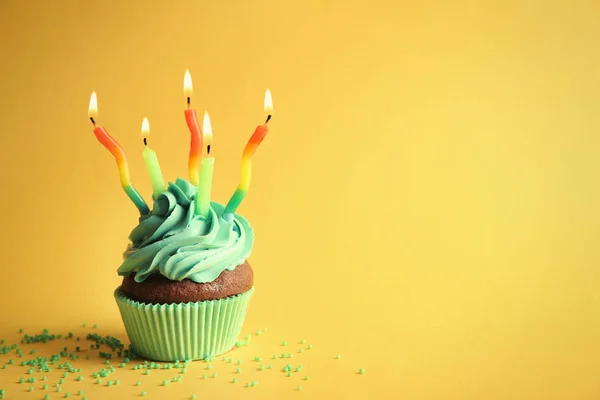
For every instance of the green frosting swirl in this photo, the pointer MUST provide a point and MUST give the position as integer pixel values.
(179, 244)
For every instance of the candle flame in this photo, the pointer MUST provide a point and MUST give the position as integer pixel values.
(206, 129)
(93, 108)
(188, 88)
(268, 102)
(145, 128)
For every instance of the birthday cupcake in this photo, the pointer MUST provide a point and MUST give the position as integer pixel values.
(187, 283)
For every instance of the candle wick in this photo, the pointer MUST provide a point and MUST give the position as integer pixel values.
(189, 100)
(268, 119)
(93, 122)
(145, 142)
(208, 149)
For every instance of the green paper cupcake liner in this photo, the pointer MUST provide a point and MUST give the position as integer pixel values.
(171, 332)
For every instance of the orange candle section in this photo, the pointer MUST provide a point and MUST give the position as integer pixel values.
(196, 133)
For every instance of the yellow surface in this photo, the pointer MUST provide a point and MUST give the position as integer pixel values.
(426, 202)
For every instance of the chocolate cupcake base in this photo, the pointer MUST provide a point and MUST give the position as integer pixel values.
(157, 289)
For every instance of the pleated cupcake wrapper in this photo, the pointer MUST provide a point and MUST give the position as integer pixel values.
(171, 332)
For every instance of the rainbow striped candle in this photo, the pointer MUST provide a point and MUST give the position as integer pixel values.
(196, 134)
(257, 137)
(113, 146)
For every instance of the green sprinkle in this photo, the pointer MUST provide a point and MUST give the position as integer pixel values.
(203, 376)
(238, 370)
(98, 381)
(147, 372)
(45, 387)
(337, 356)
(229, 360)
(302, 341)
(95, 326)
(361, 371)
(32, 351)
(310, 346)
(109, 383)
(214, 375)
(126, 360)
(234, 380)
(262, 367)
(239, 362)
(80, 392)
(299, 388)
(165, 382)
(289, 373)
(269, 366)
(47, 397)
(138, 383)
(183, 370)
(59, 389)
(193, 396)
(306, 378)
(61, 381)
(21, 330)
(67, 395)
(144, 394)
(298, 369)
(284, 343)
(274, 356)
(84, 398)
(301, 351)
(209, 366)
(283, 355)
(80, 378)
(5, 366)
(248, 384)
(255, 384)
(117, 382)
(21, 380)
(31, 388)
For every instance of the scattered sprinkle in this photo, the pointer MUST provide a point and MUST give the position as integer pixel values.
(255, 384)
(274, 356)
(262, 367)
(80, 392)
(238, 370)
(138, 383)
(239, 362)
(165, 382)
(289, 373)
(306, 378)
(234, 380)
(144, 394)
(45, 387)
(299, 388)
(31, 388)
(209, 366)
(95, 326)
(203, 376)
(310, 346)
(259, 332)
(284, 343)
(248, 384)
(337, 356)
(361, 371)
(301, 351)
(214, 375)
(67, 395)
(269, 366)
(302, 341)
(193, 396)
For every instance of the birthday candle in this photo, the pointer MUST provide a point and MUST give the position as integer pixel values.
(196, 134)
(113, 146)
(152, 165)
(246, 171)
(206, 172)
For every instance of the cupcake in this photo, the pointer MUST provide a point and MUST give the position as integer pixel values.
(186, 281)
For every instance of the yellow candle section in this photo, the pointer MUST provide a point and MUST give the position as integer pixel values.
(206, 171)
(152, 165)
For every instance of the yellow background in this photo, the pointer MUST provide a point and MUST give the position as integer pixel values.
(425, 204)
